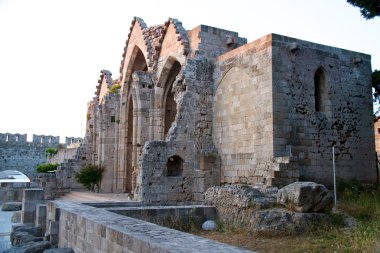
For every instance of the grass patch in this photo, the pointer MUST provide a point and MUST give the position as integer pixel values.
(362, 203)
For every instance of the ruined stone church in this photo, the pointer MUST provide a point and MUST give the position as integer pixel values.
(196, 108)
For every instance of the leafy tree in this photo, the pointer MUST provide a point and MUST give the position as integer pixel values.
(368, 8)
(90, 176)
(376, 87)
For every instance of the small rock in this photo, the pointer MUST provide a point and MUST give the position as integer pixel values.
(63, 250)
(305, 197)
(16, 217)
(11, 206)
(209, 225)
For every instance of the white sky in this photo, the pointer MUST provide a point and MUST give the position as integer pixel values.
(52, 51)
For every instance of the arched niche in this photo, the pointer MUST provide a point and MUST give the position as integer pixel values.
(320, 90)
(169, 103)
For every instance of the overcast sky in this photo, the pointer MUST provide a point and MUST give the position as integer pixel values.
(52, 51)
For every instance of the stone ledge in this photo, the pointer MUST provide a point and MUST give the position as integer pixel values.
(125, 234)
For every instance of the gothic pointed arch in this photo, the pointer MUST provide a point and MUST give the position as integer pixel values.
(174, 40)
(136, 38)
(169, 73)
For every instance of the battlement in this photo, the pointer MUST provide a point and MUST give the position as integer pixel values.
(20, 139)
(45, 139)
(72, 140)
(13, 138)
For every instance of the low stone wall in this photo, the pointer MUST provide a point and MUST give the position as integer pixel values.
(88, 229)
(182, 218)
(12, 191)
(47, 181)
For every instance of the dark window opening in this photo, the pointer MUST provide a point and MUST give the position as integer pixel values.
(174, 166)
(378, 130)
(113, 119)
(320, 90)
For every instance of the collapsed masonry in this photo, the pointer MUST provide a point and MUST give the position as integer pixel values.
(193, 109)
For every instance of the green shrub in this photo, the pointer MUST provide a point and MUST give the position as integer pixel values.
(49, 152)
(114, 88)
(46, 168)
(90, 176)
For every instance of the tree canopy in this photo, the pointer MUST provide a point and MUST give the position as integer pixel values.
(368, 8)
(376, 87)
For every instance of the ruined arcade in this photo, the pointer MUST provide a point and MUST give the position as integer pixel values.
(198, 108)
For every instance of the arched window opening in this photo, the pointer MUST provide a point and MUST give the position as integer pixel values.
(174, 166)
(170, 104)
(320, 90)
(139, 62)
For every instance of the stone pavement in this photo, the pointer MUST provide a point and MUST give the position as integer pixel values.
(5, 229)
(78, 196)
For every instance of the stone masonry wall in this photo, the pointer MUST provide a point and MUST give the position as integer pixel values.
(18, 154)
(307, 124)
(189, 138)
(79, 227)
(242, 117)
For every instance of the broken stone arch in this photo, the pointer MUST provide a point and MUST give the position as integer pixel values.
(167, 103)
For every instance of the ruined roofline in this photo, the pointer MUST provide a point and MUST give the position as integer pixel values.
(216, 30)
(318, 46)
(153, 37)
(104, 74)
(293, 44)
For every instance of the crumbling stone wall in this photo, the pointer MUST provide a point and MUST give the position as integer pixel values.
(201, 107)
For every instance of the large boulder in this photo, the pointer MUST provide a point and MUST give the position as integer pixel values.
(19, 231)
(280, 221)
(305, 197)
(240, 196)
(11, 206)
(30, 247)
(235, 203)
(19, 238)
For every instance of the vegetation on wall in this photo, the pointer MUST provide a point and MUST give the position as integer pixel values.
(50, 152)
(90, 176)
(46, 168)
(114, 88)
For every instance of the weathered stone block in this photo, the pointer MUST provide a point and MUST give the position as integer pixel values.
(30, 199)
(305, 197)
(11, 206)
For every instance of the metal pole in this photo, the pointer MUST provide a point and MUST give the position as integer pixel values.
(333, 152)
